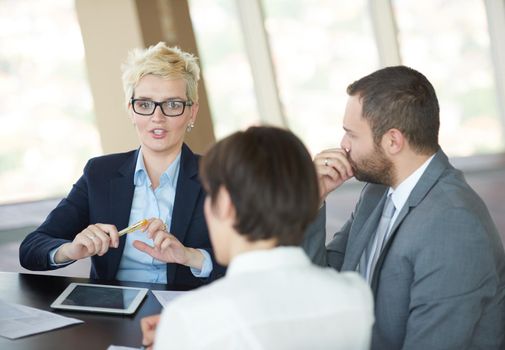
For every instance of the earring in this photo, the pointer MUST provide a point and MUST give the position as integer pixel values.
(190, 127)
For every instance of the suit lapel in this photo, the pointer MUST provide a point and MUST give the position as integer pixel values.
(186, 196)
(361, 235)
(423, 186)
(429, 178)
(120, 203)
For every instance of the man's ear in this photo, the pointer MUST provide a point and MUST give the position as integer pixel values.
(393, 141)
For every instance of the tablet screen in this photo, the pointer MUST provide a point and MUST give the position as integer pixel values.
(100, 298)
(111, 298)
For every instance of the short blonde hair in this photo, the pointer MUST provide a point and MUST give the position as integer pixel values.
(163, 61)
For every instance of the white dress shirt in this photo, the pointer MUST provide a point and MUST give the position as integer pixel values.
(272, 299)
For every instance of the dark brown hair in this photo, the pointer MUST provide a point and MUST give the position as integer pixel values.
(271, 180)
(402, 98)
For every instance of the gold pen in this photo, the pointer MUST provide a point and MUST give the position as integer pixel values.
(133, 227)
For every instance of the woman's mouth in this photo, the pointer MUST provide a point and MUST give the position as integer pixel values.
(159, 133)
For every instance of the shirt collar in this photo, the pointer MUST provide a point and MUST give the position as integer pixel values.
(402, 192)
(268, 259)
(140, 177)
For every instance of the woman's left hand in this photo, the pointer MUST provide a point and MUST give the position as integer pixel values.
(167, 247)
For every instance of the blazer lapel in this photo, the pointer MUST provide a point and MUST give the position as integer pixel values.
(186, 196)
(361, 235)
(120, 203)
(429, 178)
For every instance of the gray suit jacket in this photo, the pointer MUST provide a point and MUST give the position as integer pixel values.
(440, 280)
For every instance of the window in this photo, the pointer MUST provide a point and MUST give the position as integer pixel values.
(319, 48)
(224, 65)
(448, 41)
(48, 129)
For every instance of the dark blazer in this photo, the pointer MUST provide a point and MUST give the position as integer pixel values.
(104, 194)
(440, 280)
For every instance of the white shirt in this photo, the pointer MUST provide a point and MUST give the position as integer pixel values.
(272, 299)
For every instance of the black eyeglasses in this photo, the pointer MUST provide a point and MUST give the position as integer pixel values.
(168, 108)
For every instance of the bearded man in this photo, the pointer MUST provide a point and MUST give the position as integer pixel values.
(419, 235)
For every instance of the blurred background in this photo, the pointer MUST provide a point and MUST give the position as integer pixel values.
(281, 62)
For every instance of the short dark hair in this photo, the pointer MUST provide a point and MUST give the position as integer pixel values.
(402, 98)
(271, 180)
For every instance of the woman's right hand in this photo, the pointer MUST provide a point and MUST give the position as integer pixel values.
(93, 240)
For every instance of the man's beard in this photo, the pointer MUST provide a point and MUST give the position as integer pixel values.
(375, 168)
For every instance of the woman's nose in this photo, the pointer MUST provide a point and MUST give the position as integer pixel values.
(158, 114)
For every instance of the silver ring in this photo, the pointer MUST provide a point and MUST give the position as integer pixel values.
(326, 162)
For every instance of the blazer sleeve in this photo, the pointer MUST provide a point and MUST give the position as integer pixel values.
(333, 253)
(64, 222)
(314, 243)
(455, 280)
(315, 239)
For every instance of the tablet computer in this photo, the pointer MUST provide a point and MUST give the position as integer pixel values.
(100, 298)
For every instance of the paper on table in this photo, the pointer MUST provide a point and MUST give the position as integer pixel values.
(18, 321)
(166, 296)
(118, 347)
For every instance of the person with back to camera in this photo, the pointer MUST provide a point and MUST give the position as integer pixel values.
(262, 192)
(420, 236)
(159, 181)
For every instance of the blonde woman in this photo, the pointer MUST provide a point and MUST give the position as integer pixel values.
(158, 181)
